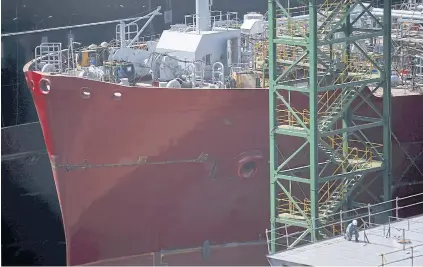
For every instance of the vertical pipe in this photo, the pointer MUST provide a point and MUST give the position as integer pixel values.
(150, 8)
(238, 50)
(72, 54)
(272, 119)
(202, 11)
(70, 41)
(412, 256)
(369, 213)
(268, 241)
(403, 239)
(396, 208)
(122, 33)
(346, 116)
(254, 50)
(287, 236)
(314, 132)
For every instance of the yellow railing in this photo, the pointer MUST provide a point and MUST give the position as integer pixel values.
(291, 28)
(286, 117)
(328, 188)
(329, 7)
(260, 50)
(351, 67)
(289, 52)
(362, 149)
(327, 99)
(297, 27)
(356, 64)
(285, 205)
(354, 160)
(330, 98)
(357, 155)
(336, 229)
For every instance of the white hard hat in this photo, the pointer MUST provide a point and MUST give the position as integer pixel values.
(92, 46)
(355, 222)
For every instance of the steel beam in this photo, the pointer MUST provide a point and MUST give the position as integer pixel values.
(272, 120)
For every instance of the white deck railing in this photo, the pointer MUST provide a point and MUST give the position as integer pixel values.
(366, 216)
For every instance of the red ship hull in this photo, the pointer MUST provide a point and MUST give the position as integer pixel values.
(162, 169)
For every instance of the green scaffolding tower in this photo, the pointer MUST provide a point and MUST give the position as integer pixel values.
(328, 141)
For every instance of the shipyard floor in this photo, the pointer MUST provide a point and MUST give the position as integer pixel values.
(340, 252)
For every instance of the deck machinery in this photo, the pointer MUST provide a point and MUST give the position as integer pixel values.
(325, 57)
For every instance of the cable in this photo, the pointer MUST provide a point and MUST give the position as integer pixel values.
(17, 67)
(80, 25)
(20, 125)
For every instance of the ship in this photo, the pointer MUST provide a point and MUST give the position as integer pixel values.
(160, 148)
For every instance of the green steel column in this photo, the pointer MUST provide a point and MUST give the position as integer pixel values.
(387, 152)
(314, 131)
(316, 139)
(272, 120)
(346, 117)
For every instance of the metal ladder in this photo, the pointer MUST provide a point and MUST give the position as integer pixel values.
(344, 189)
(334, 110)
(333, 203)
(197, 73)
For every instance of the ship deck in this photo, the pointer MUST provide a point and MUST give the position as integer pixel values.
(340, 252)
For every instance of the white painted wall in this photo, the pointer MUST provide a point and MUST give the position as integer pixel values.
(191, 46)
(215, 44)
(178, 44)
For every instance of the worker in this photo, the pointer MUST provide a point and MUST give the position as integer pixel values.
(351, 230)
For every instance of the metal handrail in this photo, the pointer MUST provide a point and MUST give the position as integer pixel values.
(411, 257)
(369, 215)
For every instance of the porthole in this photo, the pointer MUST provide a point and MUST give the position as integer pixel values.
(247, 169)
(45, 86)
(85, 93)
(117, 96)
